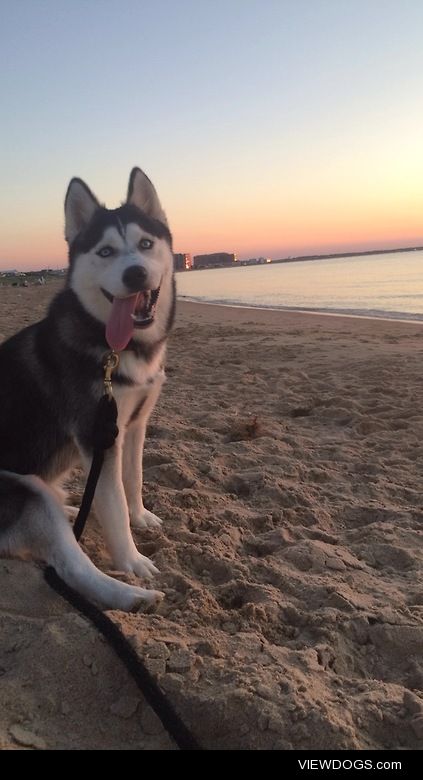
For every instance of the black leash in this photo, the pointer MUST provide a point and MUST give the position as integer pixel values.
(105, 431)
(104, 434)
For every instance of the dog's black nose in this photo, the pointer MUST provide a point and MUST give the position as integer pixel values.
(134, 278)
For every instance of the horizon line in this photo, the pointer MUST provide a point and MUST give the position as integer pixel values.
(288, 258)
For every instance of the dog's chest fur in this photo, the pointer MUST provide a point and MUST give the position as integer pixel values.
(142, 378)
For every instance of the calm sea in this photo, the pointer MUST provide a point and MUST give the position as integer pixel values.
(389, 285)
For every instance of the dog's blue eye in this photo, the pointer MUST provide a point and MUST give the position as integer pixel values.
(146, 243)
(105, 251)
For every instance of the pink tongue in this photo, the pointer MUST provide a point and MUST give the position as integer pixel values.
(120, 325)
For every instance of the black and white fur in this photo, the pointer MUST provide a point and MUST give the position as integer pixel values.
(51, 381)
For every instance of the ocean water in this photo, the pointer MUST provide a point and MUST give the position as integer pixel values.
(383, 285)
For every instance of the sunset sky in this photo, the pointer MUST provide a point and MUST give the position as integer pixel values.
(269, 127)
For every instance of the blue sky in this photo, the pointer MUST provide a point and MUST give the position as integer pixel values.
(268, 127)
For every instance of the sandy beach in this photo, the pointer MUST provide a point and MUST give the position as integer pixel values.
(285, 459)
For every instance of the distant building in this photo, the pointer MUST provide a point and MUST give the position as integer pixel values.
(215, 260)
(182, 261)
(256, 261)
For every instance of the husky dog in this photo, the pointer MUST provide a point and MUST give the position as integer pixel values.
(119, 293)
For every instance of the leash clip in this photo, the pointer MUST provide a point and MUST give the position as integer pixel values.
(110, 363)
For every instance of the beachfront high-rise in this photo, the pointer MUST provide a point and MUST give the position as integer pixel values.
(182, 261)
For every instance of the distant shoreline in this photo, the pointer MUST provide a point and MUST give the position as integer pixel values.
(302, 258)
(305, 258)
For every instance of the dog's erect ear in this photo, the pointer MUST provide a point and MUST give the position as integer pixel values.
(141, 193)
(80, 205)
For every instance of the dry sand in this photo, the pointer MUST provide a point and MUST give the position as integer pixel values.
(285, 458)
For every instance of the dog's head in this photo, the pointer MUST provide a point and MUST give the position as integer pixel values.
(121, 261)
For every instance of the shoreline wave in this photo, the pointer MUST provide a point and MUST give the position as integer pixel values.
(368, 314)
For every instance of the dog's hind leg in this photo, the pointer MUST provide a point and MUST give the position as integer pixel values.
(33, 522)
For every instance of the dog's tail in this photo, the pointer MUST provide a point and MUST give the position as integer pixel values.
(32, 522)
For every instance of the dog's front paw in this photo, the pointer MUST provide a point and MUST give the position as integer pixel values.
(145, 519)
(139, 565)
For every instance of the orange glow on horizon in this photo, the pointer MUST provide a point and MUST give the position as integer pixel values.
(301, 221)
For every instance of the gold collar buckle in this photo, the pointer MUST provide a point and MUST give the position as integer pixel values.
(110, 364)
